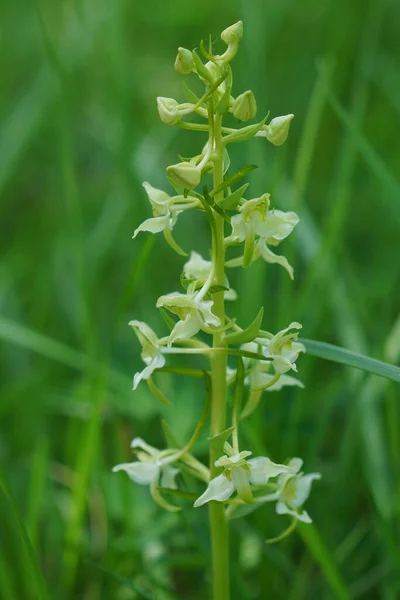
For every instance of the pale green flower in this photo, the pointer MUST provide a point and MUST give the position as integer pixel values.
(277, 130)
(284, 348)
(168, 110)
(259, 227)
(198, 269)
(258, 373)
(184, 61)
(185, 175)
(151, 466)
(293, 490)
(164, 219)
(151, 351)
(233, 34)
(244, 106)
(239, 474)
(194, 314)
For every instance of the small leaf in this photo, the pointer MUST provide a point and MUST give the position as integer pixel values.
(215, 206)
(231, 202)
(233, 178)
(218, 288)
(248, 334)
(190, 96)
(245, 133)
(200, 68)
(167, 318)
(157, 392)
(205, 53)
(223, 104)
(217, 442)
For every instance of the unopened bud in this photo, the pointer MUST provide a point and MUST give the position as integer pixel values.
(277, 131)
(168, 110)
(185, 175)
(184, 61)
(233, 34)
(245, 107)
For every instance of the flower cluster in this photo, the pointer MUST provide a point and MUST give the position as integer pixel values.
(264, 360)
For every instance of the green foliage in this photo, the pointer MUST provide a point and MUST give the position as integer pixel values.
(72, 159)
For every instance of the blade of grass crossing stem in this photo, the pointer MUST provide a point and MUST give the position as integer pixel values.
(35, 583)
(352, 359)
(323, 557)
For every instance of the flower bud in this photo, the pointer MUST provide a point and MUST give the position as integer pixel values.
(233, 34)
(184, 61)
(168, 110)
(245, 107)
(185, 175)
(277, 131)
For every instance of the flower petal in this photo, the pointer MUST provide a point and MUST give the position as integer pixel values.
(153, 225)
(283, 509)
(155, 363)
(270, 257)
(138, 442)
(185, 329)
(140, 472)
(262, 468)
(158, 199)
(304, 488)
(168, 476)
(219, 488)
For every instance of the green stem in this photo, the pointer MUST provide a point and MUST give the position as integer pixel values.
(218, 522)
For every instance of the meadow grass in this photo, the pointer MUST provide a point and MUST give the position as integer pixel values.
(79, 132)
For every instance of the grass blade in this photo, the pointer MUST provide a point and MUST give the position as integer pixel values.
(323, 557)
(352, 359)
(33, 575)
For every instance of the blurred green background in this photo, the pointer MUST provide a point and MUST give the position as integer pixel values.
(79, 132)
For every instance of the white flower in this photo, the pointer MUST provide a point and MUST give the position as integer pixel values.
(185, 175)
(168, 110)
(258, 375)
(283, 348)
(238, 475)
(164, 219)
(244, 107)
(151, 467)
(151, 351)
(270, 227)
(193, 314)
(293, 490)
(277, 131)
(198, 269)
(184, 61)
